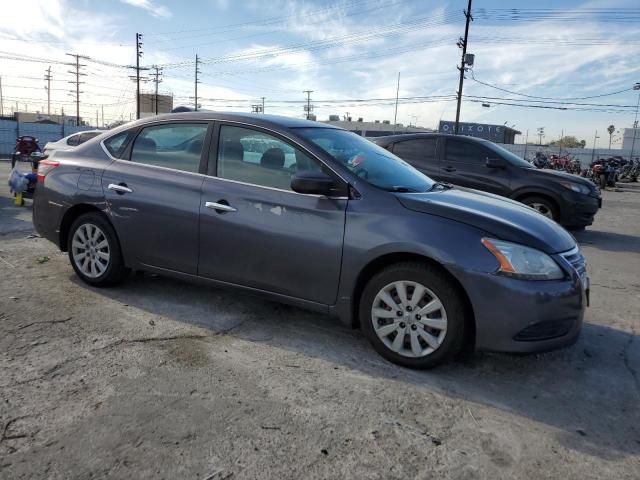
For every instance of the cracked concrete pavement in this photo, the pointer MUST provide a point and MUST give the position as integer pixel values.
(162, 379)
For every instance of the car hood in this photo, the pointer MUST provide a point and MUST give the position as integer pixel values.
(505, 219)
(559, 175)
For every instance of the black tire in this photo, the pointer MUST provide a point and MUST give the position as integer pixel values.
(542, 202)
(115, 271)
(446, 291)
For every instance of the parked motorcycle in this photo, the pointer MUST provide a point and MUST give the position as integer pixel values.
(26, 145)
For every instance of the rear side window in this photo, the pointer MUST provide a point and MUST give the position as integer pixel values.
(73, 140)
(87, 136)
(177, 146)
(418, 152)
(117, 144)
(465, 152)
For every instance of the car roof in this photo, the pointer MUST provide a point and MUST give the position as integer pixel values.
(414, 136)
(253, 118)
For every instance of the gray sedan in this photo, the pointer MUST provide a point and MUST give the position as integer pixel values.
(317, 217)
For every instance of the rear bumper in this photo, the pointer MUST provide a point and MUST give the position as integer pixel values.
(521, 316)
(579, 210)
(47, 216)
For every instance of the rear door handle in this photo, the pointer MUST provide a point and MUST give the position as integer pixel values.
(449, 169)
(220, 206)
(119, 188)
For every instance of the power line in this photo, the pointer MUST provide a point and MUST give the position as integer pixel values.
(548, 98)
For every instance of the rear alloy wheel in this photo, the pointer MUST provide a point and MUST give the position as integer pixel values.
(543, 206)
(94, 251)
(412, 315)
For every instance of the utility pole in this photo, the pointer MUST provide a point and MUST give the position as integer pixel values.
(526, 141)
(156, 80)
(635, 122)
(308, 106)
(77, 81)
(593, 152)
(462, 43)
(262, 104)
(102, 107)
(138, 56)
(97, 124)
(560, 143)
(540, 134)
(395, 114)
(197, 81)
(48, 78)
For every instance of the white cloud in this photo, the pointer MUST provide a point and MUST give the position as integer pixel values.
(159, 11)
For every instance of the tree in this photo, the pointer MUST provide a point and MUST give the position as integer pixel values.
(610, 129)
(569, 142)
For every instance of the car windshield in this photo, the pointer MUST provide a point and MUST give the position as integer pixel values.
(510, 157)
(367, 160)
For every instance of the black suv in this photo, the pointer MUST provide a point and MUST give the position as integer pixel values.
(469, 162)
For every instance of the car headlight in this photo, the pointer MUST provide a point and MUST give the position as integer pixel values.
(576, 187)
(523, 262)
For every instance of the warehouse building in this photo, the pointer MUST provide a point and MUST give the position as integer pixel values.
(376, 128)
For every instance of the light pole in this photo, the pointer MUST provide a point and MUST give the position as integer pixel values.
(593, 152)
(635, 122)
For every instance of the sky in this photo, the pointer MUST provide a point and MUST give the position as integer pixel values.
(348, 52)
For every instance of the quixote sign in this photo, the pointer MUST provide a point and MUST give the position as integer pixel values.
(495, 133)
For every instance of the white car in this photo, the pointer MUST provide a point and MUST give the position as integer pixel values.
(71, 141)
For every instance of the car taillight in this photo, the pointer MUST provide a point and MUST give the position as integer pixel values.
(44, 167)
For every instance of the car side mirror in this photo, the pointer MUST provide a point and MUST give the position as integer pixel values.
(309, 182)
(493, 162)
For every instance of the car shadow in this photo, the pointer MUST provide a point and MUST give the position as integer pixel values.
(14, 219)
(589, 392)
(609, 241)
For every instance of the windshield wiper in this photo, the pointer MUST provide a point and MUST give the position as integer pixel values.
(441, 186)
(401, 189)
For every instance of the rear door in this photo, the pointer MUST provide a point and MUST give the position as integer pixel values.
(154, 195)
(255, 231)
(465, 164)
(422, 153)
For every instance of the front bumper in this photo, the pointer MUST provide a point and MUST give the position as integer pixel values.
(579, 209)
(521, 316)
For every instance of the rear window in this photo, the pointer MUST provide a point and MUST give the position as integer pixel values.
(87, 136)
(73, 140)
(117, 144)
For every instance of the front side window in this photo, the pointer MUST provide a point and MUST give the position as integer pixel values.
(420, 152)
(367, 160)
(254, 157)
(174, 145)
(466, 152)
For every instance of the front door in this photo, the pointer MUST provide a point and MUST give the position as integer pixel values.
(465, 164)
(255, 231)
(154, 197)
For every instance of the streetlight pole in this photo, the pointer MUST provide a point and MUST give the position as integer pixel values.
(593, 152)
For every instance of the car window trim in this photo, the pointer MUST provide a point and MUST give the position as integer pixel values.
(215, 142)
(207, 139)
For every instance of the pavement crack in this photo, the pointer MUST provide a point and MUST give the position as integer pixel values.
(43, 322)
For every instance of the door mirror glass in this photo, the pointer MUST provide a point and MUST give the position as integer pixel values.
(312, 182)
(494, 162)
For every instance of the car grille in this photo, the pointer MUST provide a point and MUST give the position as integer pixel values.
(545, 330)
(577, 261)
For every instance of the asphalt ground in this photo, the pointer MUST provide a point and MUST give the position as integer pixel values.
(161, 379)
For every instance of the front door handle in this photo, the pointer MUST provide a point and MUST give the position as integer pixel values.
(449, 169)
(220, 206)
(119, 188)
